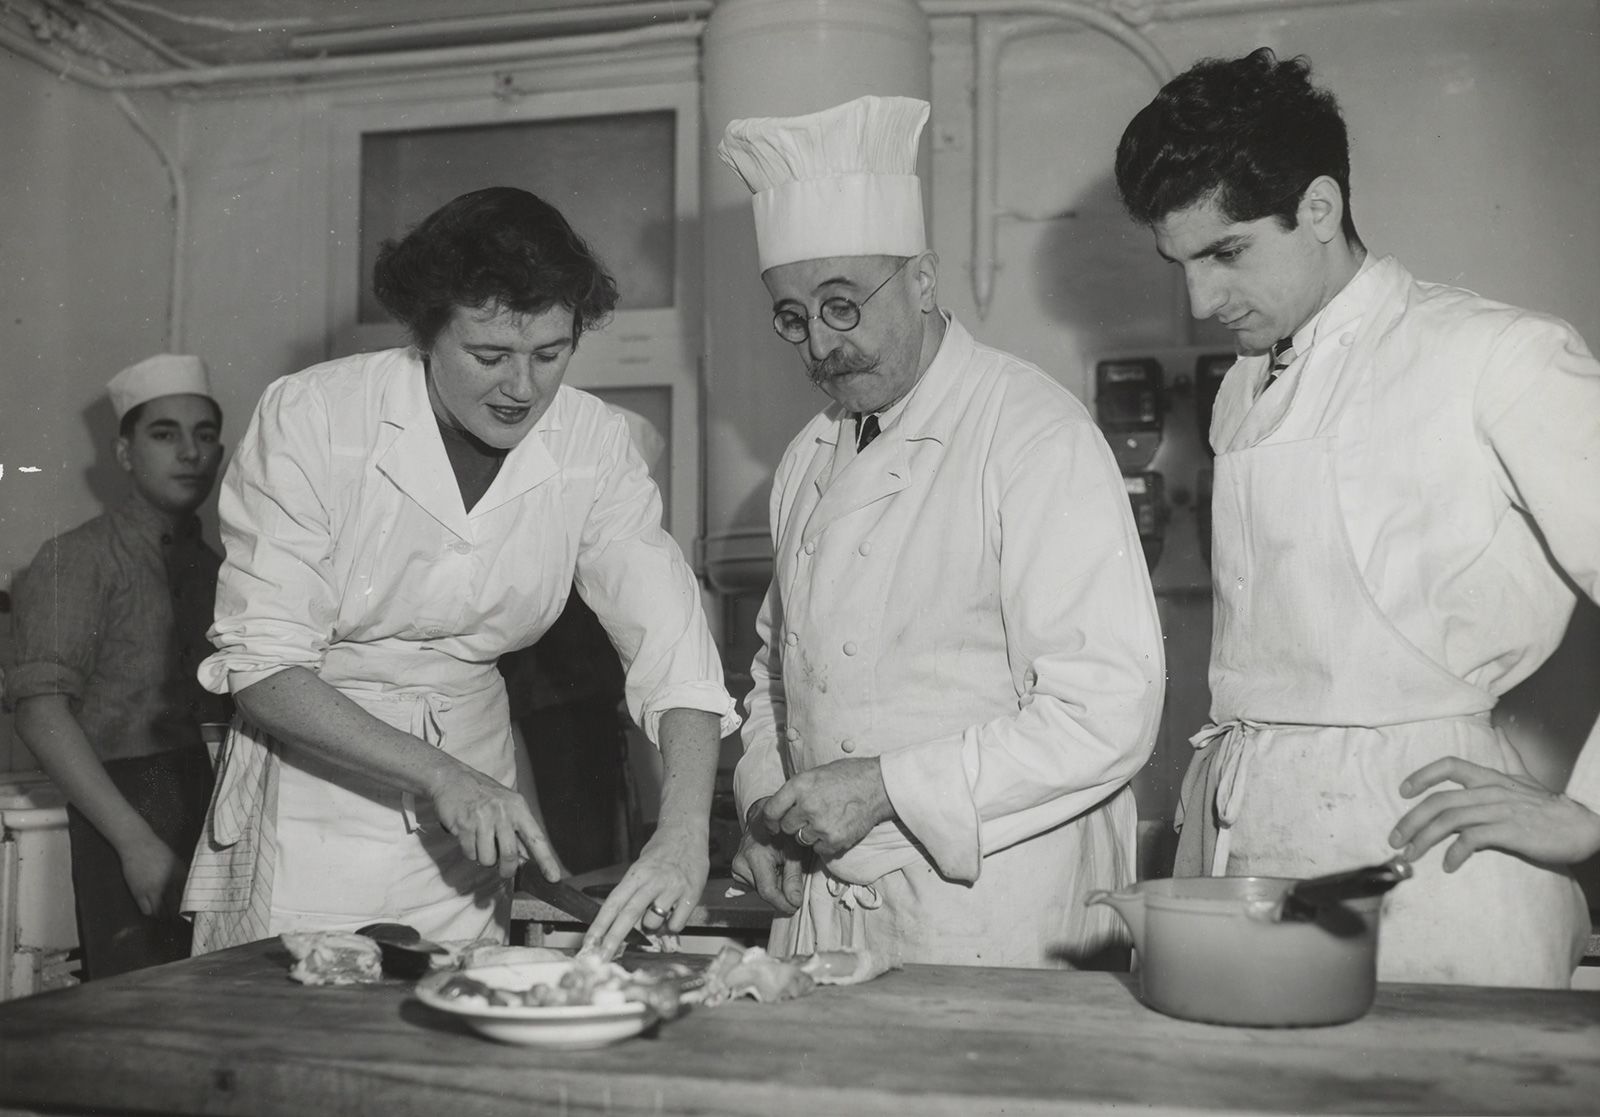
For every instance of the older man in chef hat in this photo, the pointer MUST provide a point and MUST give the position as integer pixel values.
(110, 622)
(960, 665)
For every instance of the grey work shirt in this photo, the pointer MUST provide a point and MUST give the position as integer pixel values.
(113, 614)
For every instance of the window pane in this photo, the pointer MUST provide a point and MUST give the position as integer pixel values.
(612, 176)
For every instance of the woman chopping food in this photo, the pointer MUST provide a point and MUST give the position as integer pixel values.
(394, 522)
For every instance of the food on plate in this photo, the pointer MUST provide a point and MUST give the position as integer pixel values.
(587, 981)
(485, 952)
(756, 974)
(333, 957)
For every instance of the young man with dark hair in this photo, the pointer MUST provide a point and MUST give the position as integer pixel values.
(1405, 480)
(110, 624)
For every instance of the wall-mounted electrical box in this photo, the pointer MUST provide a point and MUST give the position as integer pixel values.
(1155, 409)
(1149, 511)
(1128, 406)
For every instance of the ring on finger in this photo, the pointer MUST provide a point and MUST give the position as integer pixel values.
(655, 910)
(800, 835)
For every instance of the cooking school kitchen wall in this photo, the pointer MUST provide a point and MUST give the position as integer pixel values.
(1476, 151)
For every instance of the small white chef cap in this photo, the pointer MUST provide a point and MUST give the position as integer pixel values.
(840, 182)
(165, 374)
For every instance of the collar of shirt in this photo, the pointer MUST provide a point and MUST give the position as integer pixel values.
(153, 524)
(919, 408)
(1341, 310)
(888, 415)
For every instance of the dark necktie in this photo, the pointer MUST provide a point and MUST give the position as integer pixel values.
(866, 431)
(1282, 353)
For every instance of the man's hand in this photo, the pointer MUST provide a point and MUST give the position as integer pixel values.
(770, 862)
(832, 807)
(492, 822)
(1509, 811)
(154, 875)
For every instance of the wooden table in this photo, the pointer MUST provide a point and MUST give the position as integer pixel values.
(230, 1034)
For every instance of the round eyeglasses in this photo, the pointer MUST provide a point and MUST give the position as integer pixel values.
(837, 313)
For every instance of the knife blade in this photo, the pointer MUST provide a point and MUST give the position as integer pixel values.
(568, 897)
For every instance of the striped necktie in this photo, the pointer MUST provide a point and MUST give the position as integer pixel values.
(866, 431)
(1282, 354)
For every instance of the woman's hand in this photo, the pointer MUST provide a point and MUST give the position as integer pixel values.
(658, 892)
(1509, 811)
(492, 822)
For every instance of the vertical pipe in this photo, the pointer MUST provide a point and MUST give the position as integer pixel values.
(989, 40)
(180, 219)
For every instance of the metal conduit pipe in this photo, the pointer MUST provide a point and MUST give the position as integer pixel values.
(180, 219)
(1076, 10)
(1141, 12)
(990, 36)
(518, 23)
(139, 35)
(398, 61)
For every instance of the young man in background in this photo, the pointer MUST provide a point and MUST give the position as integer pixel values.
(110, 623)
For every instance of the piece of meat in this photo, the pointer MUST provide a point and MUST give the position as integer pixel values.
(333, 957)
(843, 967)
(754, 973)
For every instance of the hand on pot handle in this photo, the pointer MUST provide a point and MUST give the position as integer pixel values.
(1509, 811)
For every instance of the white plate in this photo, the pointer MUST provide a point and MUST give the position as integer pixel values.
(568, 1026)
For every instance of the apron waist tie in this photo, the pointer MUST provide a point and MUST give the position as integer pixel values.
(425, 727)
(1216, 780)
(1224, 762)
(850, 903)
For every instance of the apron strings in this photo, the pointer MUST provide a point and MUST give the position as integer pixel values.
(425, 727)
(1215, 784)
(1224, 762)
(850, 904)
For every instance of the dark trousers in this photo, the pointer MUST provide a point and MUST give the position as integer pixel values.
(578, 752)
(170, 791)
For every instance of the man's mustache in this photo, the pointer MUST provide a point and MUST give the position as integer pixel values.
(839, 363)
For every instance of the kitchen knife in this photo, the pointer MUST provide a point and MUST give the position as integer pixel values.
(568, 897)
(1308, 897)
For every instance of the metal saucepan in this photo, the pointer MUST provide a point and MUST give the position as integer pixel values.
(1258, 951)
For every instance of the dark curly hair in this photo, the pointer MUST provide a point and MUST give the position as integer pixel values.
(1249, 134)
(494, 247)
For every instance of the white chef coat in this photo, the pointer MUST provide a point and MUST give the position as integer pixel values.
(1380, 582)
(349, 553)
(967, 599)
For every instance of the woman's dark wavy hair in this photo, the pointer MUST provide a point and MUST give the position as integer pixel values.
(499, 247)
(1248, 133)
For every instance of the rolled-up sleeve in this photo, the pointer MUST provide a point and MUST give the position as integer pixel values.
(1538, 409)
(276, 602)
(57, 609)
(634, 577)
(1078, 610)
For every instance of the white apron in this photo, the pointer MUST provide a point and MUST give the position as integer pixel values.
(1322, 707)
(279, 812)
